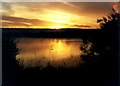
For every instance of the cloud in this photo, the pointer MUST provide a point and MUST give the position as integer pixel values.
(76, 25)
(10, 21)
(94, 7)
(83, 8)
(17, 21)
(40, 14)
(7, 8)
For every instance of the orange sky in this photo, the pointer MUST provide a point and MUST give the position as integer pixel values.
(53, 14)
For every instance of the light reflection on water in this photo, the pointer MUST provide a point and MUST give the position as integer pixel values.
(43, 52)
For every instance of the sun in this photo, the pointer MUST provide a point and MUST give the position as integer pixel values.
(57, 27)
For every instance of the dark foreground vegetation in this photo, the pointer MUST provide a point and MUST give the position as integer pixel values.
(97, 71)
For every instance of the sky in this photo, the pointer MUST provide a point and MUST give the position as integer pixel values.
(53, 14)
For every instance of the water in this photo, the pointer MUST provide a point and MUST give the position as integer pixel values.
(44, 52)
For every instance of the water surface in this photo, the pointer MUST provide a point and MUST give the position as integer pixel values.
(44, 52)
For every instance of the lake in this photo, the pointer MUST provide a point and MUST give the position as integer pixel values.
(55, 52)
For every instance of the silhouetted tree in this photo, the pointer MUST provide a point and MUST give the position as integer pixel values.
(111, 21)
(88, 52)
(9, 63)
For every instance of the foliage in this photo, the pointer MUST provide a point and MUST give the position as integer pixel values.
(111, 21)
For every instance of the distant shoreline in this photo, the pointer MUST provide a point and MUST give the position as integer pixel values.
(55, 33)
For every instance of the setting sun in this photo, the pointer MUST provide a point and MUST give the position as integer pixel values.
(57, 27)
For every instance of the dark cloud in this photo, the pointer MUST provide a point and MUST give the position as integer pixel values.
(81, 25)
(94, 7)
(14, 24)
(18, 21)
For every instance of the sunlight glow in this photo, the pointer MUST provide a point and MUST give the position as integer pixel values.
(57, 27)
(57, 16)
(60, 49)
(57, 52)
(46, 15)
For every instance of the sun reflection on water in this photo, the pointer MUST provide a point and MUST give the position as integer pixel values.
(54, 52)
(60, 49)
